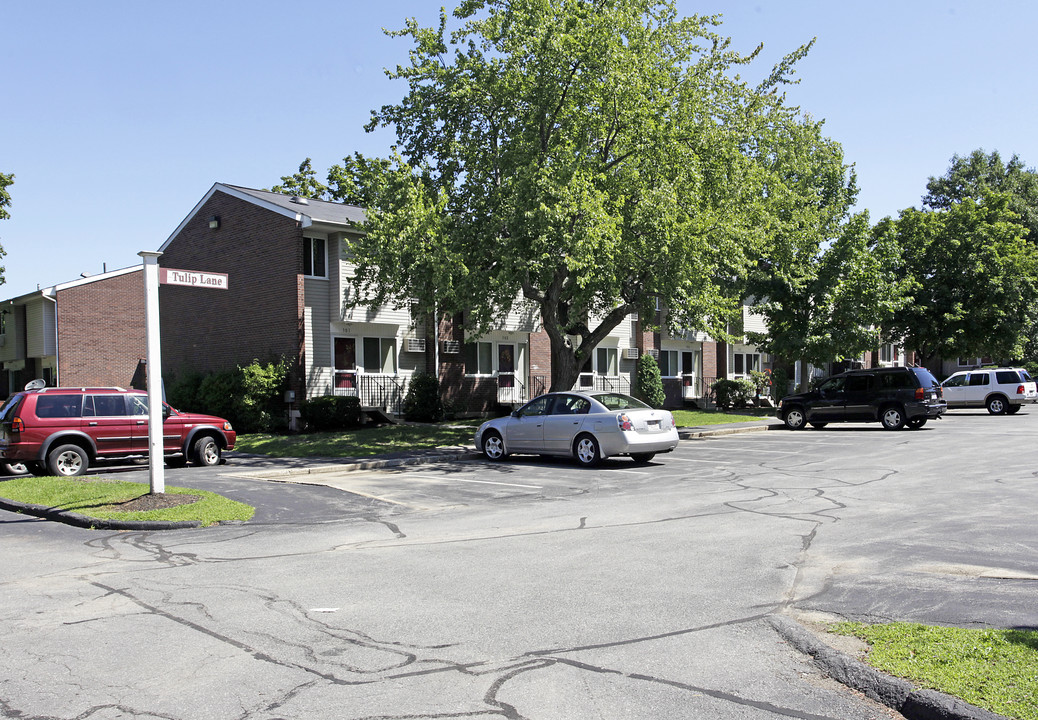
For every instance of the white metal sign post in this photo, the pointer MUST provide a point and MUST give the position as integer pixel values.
(153, 277)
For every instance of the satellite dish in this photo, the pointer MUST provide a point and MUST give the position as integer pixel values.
(36, 384)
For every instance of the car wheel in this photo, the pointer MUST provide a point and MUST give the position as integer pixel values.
(997, 405)
(893, 418)
(494, 447)
(67, 461)
(818, 426)
(586, 451)
(206, 451)
(916, 423)
(1013, 409)
(14, 468)
(642, 457)
(794, 418)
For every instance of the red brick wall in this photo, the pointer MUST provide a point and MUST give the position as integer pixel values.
(101, 335)
(540, 361)
(259, 316)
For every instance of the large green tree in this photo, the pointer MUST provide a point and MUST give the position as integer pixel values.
(594, 159)
(973, 175)
(822, 288)
(970, 279)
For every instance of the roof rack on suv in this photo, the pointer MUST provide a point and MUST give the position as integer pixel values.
(81, 389)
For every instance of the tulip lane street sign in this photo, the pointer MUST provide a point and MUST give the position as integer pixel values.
(191, 278)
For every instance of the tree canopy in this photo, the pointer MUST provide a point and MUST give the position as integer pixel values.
(972, 176)
(594, 159)
(970, 279)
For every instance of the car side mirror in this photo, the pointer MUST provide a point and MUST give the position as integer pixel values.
(515, 413)
(166, 412)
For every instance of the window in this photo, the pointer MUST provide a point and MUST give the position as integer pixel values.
(746, 363)
(978, 379)
(668, 363)
(479, 358)
(857, 383)
(59, 406)
(537, 407)
(104, 406)
(571, 405)
(606, 361)
(677, 362)
(315, 257)
(380, 355)
(886, 353)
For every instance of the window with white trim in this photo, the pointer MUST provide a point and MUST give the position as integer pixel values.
(379, 355)
(315, 257)
(607, 362)
(479, 358)
(745, 363)
(675, 363)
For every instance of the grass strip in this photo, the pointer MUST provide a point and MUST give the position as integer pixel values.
(99, 498)
(365, 442)
(993, 669)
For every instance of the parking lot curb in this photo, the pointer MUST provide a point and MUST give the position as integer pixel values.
(92, 523)
(904, 697)
(702, 432)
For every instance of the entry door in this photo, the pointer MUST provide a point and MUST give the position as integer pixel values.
(346, 365)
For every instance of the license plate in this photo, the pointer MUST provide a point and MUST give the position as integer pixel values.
(653, 424)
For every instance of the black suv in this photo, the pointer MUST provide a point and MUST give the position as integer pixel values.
(896, 397)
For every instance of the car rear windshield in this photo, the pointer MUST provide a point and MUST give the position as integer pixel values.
(617, 401)
(10, 407)
(926, 379)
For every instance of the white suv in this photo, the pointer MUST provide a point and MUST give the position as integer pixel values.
(1002, 391)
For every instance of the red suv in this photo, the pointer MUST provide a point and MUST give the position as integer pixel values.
(63, 430)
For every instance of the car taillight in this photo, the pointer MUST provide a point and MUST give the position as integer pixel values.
(1020, 390)
(920, 394)
(624, 422)
(17, 425)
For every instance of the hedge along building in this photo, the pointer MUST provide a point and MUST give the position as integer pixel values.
(288, 296)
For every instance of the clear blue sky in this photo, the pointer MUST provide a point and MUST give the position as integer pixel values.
(117, 116)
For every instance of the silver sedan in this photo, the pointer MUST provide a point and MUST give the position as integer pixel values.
(588, 426)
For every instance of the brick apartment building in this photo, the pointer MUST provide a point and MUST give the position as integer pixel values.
(87, 332)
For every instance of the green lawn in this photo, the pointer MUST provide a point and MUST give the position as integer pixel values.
(695, 418)
(992, 669)
(99, 498)
(365, 442)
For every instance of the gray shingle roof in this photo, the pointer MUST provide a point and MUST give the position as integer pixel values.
(320, 211)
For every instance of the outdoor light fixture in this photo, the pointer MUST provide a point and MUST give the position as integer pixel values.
(214, 222)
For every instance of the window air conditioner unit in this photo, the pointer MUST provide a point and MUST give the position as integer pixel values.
(654, 352)
(632, 353)
(415, 344)
(451, 347)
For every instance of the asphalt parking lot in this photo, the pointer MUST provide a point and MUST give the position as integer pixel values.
(530, 588)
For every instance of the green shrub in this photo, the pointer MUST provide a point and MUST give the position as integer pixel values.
(648, 386)
(330, 413)
(422, 402)
(250, 396)
(732, 393)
